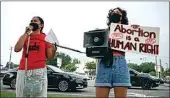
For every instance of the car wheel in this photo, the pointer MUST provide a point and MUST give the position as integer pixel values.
(63, 85)
(147, 85)
(13, 84)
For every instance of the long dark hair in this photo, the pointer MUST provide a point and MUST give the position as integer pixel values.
(42, 22)
(124, 16)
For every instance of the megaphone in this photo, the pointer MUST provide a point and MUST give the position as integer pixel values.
(96, 43)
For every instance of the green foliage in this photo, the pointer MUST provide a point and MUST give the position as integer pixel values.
(166, 73)
(76, 61)
(70, 67)
(153, 73)
(66, 59)
(52, 62)
(90, 65)
(10, 94)
(67, 63)
(147, 67)
(134, 66)
(16, 65)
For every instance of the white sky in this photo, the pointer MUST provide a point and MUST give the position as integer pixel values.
(69, 21)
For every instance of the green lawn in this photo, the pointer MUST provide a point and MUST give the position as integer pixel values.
(9, 94)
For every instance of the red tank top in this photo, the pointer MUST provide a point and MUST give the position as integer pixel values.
(37, 52)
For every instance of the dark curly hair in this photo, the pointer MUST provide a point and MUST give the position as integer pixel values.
(124, 16)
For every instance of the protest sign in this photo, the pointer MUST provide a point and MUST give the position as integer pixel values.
(129, 38)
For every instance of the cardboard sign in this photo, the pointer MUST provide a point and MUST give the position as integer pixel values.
(134, 39)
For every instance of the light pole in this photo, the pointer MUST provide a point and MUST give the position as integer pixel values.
(10, 58)
(167, 66)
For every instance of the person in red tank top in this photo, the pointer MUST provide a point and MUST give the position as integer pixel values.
(38, 52)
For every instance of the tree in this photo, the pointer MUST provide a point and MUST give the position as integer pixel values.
(166, 73)
(52, 62)
(91, 66)
(134, 66)
(16, 65)
(70, 67)
(67, 63)
(76, 61)
(66, 59)
(153, 73)
(147, 67)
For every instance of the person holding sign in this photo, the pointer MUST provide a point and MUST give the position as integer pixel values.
(32, 73)
(116, 75)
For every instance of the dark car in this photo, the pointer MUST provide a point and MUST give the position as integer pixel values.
(57, 78)
(3, 71)
(143, 80)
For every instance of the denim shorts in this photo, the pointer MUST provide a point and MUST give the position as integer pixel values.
(115, 75)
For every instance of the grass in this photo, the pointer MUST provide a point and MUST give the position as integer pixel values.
(10, 94)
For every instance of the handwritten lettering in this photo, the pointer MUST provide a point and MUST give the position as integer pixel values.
(147, 48)
(123, 45)
(136, 39)
(140, 31)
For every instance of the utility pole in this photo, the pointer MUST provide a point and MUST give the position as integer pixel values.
(10, 58)
(156, 65)
(160, 68)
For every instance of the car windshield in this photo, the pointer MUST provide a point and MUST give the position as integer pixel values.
(135, 71)
(55, 68)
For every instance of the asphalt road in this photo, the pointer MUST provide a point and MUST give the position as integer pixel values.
(161, 91)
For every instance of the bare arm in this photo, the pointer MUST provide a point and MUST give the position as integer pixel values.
(50, 52)
(20, 43)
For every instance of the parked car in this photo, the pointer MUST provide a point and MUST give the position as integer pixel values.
(83, 75)
(57, 78)
(160, 79)
(143, 80)
(3, 71)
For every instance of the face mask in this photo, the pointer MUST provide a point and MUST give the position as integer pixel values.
(115, 18)
(35, 26)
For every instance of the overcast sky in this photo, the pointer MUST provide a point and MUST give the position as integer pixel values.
(69, 21)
